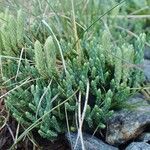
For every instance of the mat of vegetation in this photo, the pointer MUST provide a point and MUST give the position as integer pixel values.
(66, 66)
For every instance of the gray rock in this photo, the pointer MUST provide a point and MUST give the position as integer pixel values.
(138, 146)
(147, 53)
(145, 137)
(90, 143)
(127, 124)
(146, 68)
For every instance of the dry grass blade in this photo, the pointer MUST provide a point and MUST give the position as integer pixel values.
(37, 111)
(25, 82)
(60, 49)
(81, 117)
(131, 16)
(19, 63)
(131, 33)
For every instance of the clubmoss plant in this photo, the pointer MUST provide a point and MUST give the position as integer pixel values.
(110, 68)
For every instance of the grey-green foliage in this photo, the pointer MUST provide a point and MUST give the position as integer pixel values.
(11, 33)
(32, 105)
(110, 68)
(109, 87)
(47, 56)
(39, 55)
(20, 27)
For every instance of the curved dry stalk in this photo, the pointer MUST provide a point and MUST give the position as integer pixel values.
(81, 117)
(131, 16)
(19, 63)
(39, 104)
(131, 33)
(60, 49)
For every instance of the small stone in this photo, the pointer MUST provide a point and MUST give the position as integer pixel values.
(146, 69)
(147, 53)
(128, 124)
(145, 137)
(138, 146)
(90, 143)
